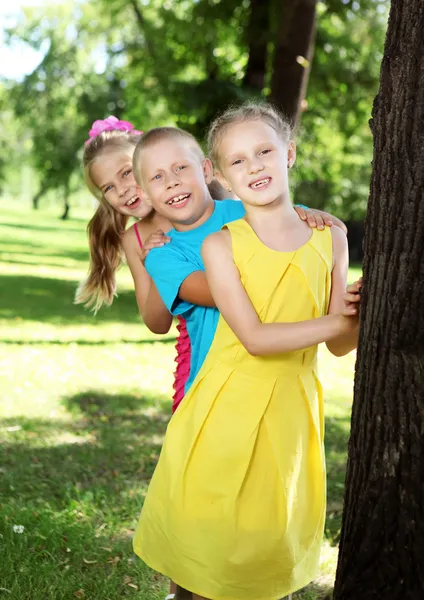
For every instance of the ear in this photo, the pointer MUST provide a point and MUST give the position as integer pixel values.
(291, 154)
(143, 195)
(220, 177)
(207, 170)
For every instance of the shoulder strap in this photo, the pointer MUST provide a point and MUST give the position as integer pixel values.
(137, 233)
(243, 241)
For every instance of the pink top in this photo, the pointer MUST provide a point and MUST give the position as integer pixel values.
(183, 349)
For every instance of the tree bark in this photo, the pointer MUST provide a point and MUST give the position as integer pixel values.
(293, 54)
(382, 540)
(257, 40)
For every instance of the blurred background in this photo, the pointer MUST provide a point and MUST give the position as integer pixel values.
(154, 62)
(84, 400)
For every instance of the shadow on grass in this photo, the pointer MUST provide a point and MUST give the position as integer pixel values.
(110, 447)
(77, 487)
(42, 250)
(45, 261)
(52, 301)
(61, 226)
(112, 443)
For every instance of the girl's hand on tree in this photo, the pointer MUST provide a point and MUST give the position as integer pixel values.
(313, 218)
(350, 312)
(155, 240)
(352, 297)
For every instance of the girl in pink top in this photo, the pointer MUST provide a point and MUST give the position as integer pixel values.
(108, 174)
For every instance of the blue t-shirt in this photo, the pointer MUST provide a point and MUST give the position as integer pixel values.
(171, 264)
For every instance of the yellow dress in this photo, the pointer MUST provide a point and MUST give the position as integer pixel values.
(235, 509)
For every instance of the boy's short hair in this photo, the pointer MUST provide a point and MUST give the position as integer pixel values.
(157, 135)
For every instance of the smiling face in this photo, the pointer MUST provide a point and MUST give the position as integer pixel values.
(112, 173)
(174, 179)
(253, 162)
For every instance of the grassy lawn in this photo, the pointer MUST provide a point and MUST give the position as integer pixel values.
(84, 403)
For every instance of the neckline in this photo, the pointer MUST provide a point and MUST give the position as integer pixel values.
(200, 227)
(261, 243)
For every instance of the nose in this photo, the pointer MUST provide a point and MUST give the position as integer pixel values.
(172, 181)
(122, 188)
(255, 165)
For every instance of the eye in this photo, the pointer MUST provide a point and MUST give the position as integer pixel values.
(266, 151)
(107, 189)
(180, 168)
(236, 162)
(126, 173)
(156, 177)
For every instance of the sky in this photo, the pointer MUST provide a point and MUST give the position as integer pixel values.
(17, 60)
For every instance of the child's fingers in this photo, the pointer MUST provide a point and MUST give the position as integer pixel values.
(311, 219)
(351, 297)
(155, 239)
(301, 212)
(152, 245)
(349, 310)
(354, 287)
(320, 223)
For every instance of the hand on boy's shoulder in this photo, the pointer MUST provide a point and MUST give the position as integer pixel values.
(157, 239)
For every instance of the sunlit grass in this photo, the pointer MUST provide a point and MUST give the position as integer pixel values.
(84, 403)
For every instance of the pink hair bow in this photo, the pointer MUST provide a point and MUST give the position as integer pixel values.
(110, 124)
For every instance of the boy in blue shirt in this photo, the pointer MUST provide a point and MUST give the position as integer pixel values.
(173, 174)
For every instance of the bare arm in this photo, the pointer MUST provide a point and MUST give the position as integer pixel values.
(348, 341)
(234, 304)
(195, 289)
(152, 310)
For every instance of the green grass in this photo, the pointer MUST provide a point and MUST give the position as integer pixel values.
(84, 404)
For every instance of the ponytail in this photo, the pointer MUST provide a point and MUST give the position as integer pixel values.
(105, 231)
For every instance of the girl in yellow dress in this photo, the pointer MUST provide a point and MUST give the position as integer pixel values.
(235, 509)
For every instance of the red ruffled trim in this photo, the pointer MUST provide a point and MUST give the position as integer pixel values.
(182, 372)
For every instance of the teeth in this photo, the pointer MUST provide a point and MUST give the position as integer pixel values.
(260, 183)
(178, 199)
(132, 200)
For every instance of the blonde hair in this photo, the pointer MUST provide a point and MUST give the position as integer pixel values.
(249, 111)
(157, 135)
(106, 227)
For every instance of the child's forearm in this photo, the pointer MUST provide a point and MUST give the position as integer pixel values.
(274, 338)
(344, 344)
(153, 311)
(195, 290)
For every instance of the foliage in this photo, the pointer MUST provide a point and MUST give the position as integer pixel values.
(180, 62)
(336, 143)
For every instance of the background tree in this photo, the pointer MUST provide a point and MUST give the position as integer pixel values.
(382, 542)
(182, 61)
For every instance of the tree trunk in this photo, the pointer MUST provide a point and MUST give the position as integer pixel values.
(257, 40)
(66, 205)
(36, 199)
(293, 55)
(382, 540)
